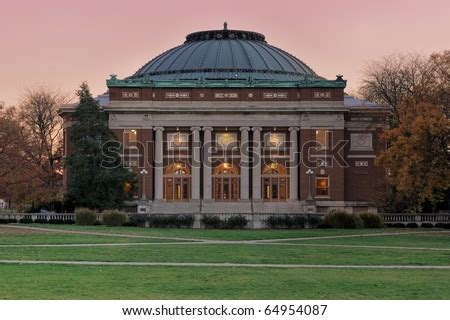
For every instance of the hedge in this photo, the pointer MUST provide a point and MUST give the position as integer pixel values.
(342, 220)
(171, 221)
(371, 220)
(85, 217)
(114, 218)
(286, 222)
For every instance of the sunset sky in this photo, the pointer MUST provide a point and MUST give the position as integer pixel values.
(62, 43)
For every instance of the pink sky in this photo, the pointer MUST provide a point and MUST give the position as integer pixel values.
(62, 43)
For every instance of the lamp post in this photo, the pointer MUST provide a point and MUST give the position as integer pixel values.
(143, 173)
(310, 173)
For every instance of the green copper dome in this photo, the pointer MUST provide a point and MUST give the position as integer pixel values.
(225, 55)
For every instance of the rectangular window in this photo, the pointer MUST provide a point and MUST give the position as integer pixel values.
(322, 138)
(129, 138)
(178, 140)
(322, 186)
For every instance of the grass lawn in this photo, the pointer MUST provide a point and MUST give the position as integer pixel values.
(86, 282)
(48, 281)
(435, 240)
(214, 234)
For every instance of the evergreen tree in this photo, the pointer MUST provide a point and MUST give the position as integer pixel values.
(97, 178)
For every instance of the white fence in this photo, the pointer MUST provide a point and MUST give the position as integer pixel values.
(255, 221)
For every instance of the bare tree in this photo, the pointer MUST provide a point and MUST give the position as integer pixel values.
(397, 78)
(42, 130)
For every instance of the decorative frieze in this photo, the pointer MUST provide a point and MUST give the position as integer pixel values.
(361, 163)
(177, 95)
(322, 94)
(275, 95)
(130, 94)
(130, 163)
(226, 95)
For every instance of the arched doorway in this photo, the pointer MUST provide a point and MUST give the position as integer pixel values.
(226, 182)
(275, 182)
(177, 182)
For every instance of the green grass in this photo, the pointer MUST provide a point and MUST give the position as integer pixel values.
(214, 234)
(79, 282)
(234, 253)
(130, 282)
(436, 240)
(57, 238)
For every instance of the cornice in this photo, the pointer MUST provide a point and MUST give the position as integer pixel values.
(307, 82)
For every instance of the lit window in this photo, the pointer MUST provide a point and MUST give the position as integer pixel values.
(322, 186)
(226, 140)
(322, 138)
(178, 140)
(275, 182)
(129, 137)
(275, 140)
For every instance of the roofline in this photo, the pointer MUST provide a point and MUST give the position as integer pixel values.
(215, 83)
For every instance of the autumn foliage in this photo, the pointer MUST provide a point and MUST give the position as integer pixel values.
(417, 159)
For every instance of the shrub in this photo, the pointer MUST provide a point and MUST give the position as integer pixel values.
(171, 221)
(276, 222)
(313, 221)
(61, 221)
(371, 220)
(114, 218)
(412, 225)
(5, 221)
(398, 225)
(343, 220)
(286, 222)
(426, 225)
(136, 220)
(446, 225)
(323, 225)
(236, 222)
(26, 220)
(40, 221)
(211, 222)
(85, 217)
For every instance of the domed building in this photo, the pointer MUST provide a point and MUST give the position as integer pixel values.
(228, 123)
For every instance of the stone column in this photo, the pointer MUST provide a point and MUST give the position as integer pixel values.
(293, 160)
(256, 192)
(196, 163)
(207, 165)
(159, 165)
(245, 166)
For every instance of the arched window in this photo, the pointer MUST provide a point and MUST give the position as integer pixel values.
(275, 182)
(177, 182)
(226, 182)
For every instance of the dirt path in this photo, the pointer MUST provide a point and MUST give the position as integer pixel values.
(211, 241)
(130, 244)
(243, 265)
(352, 236)
(93, 233)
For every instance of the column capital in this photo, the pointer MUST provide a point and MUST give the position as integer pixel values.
(294, 128)
(244, 128)
(158, 128)
(207, 129)
(195, 129)
(256, 129)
